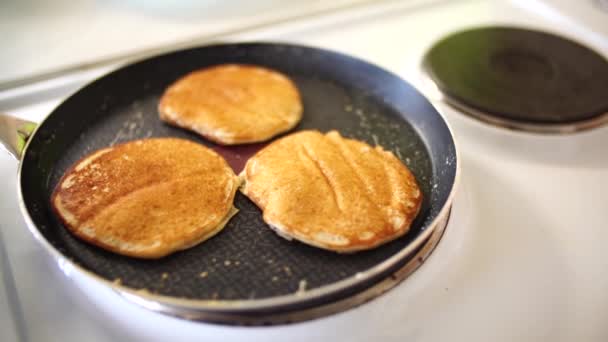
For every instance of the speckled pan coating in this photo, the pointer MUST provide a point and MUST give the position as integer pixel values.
(246, 260)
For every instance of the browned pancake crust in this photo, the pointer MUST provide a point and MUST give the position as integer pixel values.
(147, 198)
(331, 192)
(233, 103)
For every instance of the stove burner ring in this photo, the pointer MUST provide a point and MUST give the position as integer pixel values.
(523, 126)
(521, 79)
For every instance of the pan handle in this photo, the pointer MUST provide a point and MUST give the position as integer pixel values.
(14, 133)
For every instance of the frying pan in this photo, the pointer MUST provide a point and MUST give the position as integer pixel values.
(245, 274)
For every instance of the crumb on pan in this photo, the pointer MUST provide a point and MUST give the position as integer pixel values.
(301, 287)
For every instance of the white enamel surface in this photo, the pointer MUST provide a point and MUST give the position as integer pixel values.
(524, 258)
(67, 32)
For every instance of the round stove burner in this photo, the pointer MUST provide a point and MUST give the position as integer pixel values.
(521, 79)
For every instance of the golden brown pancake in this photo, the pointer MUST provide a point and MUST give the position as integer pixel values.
(147, 198)
(233, 103)
(331, 192)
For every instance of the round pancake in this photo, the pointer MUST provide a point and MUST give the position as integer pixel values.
(147, 198)
(233, 103)
(331, 192)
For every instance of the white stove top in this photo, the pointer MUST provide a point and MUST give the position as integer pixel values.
(71, 32)
(523, 258)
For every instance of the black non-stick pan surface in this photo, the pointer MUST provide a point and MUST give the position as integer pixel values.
(246, 262)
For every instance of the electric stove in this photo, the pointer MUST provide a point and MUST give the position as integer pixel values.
(522, 256)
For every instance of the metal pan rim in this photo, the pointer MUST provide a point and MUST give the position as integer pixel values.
(416, 259)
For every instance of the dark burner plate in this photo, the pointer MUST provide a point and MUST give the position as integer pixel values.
(520, 76)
